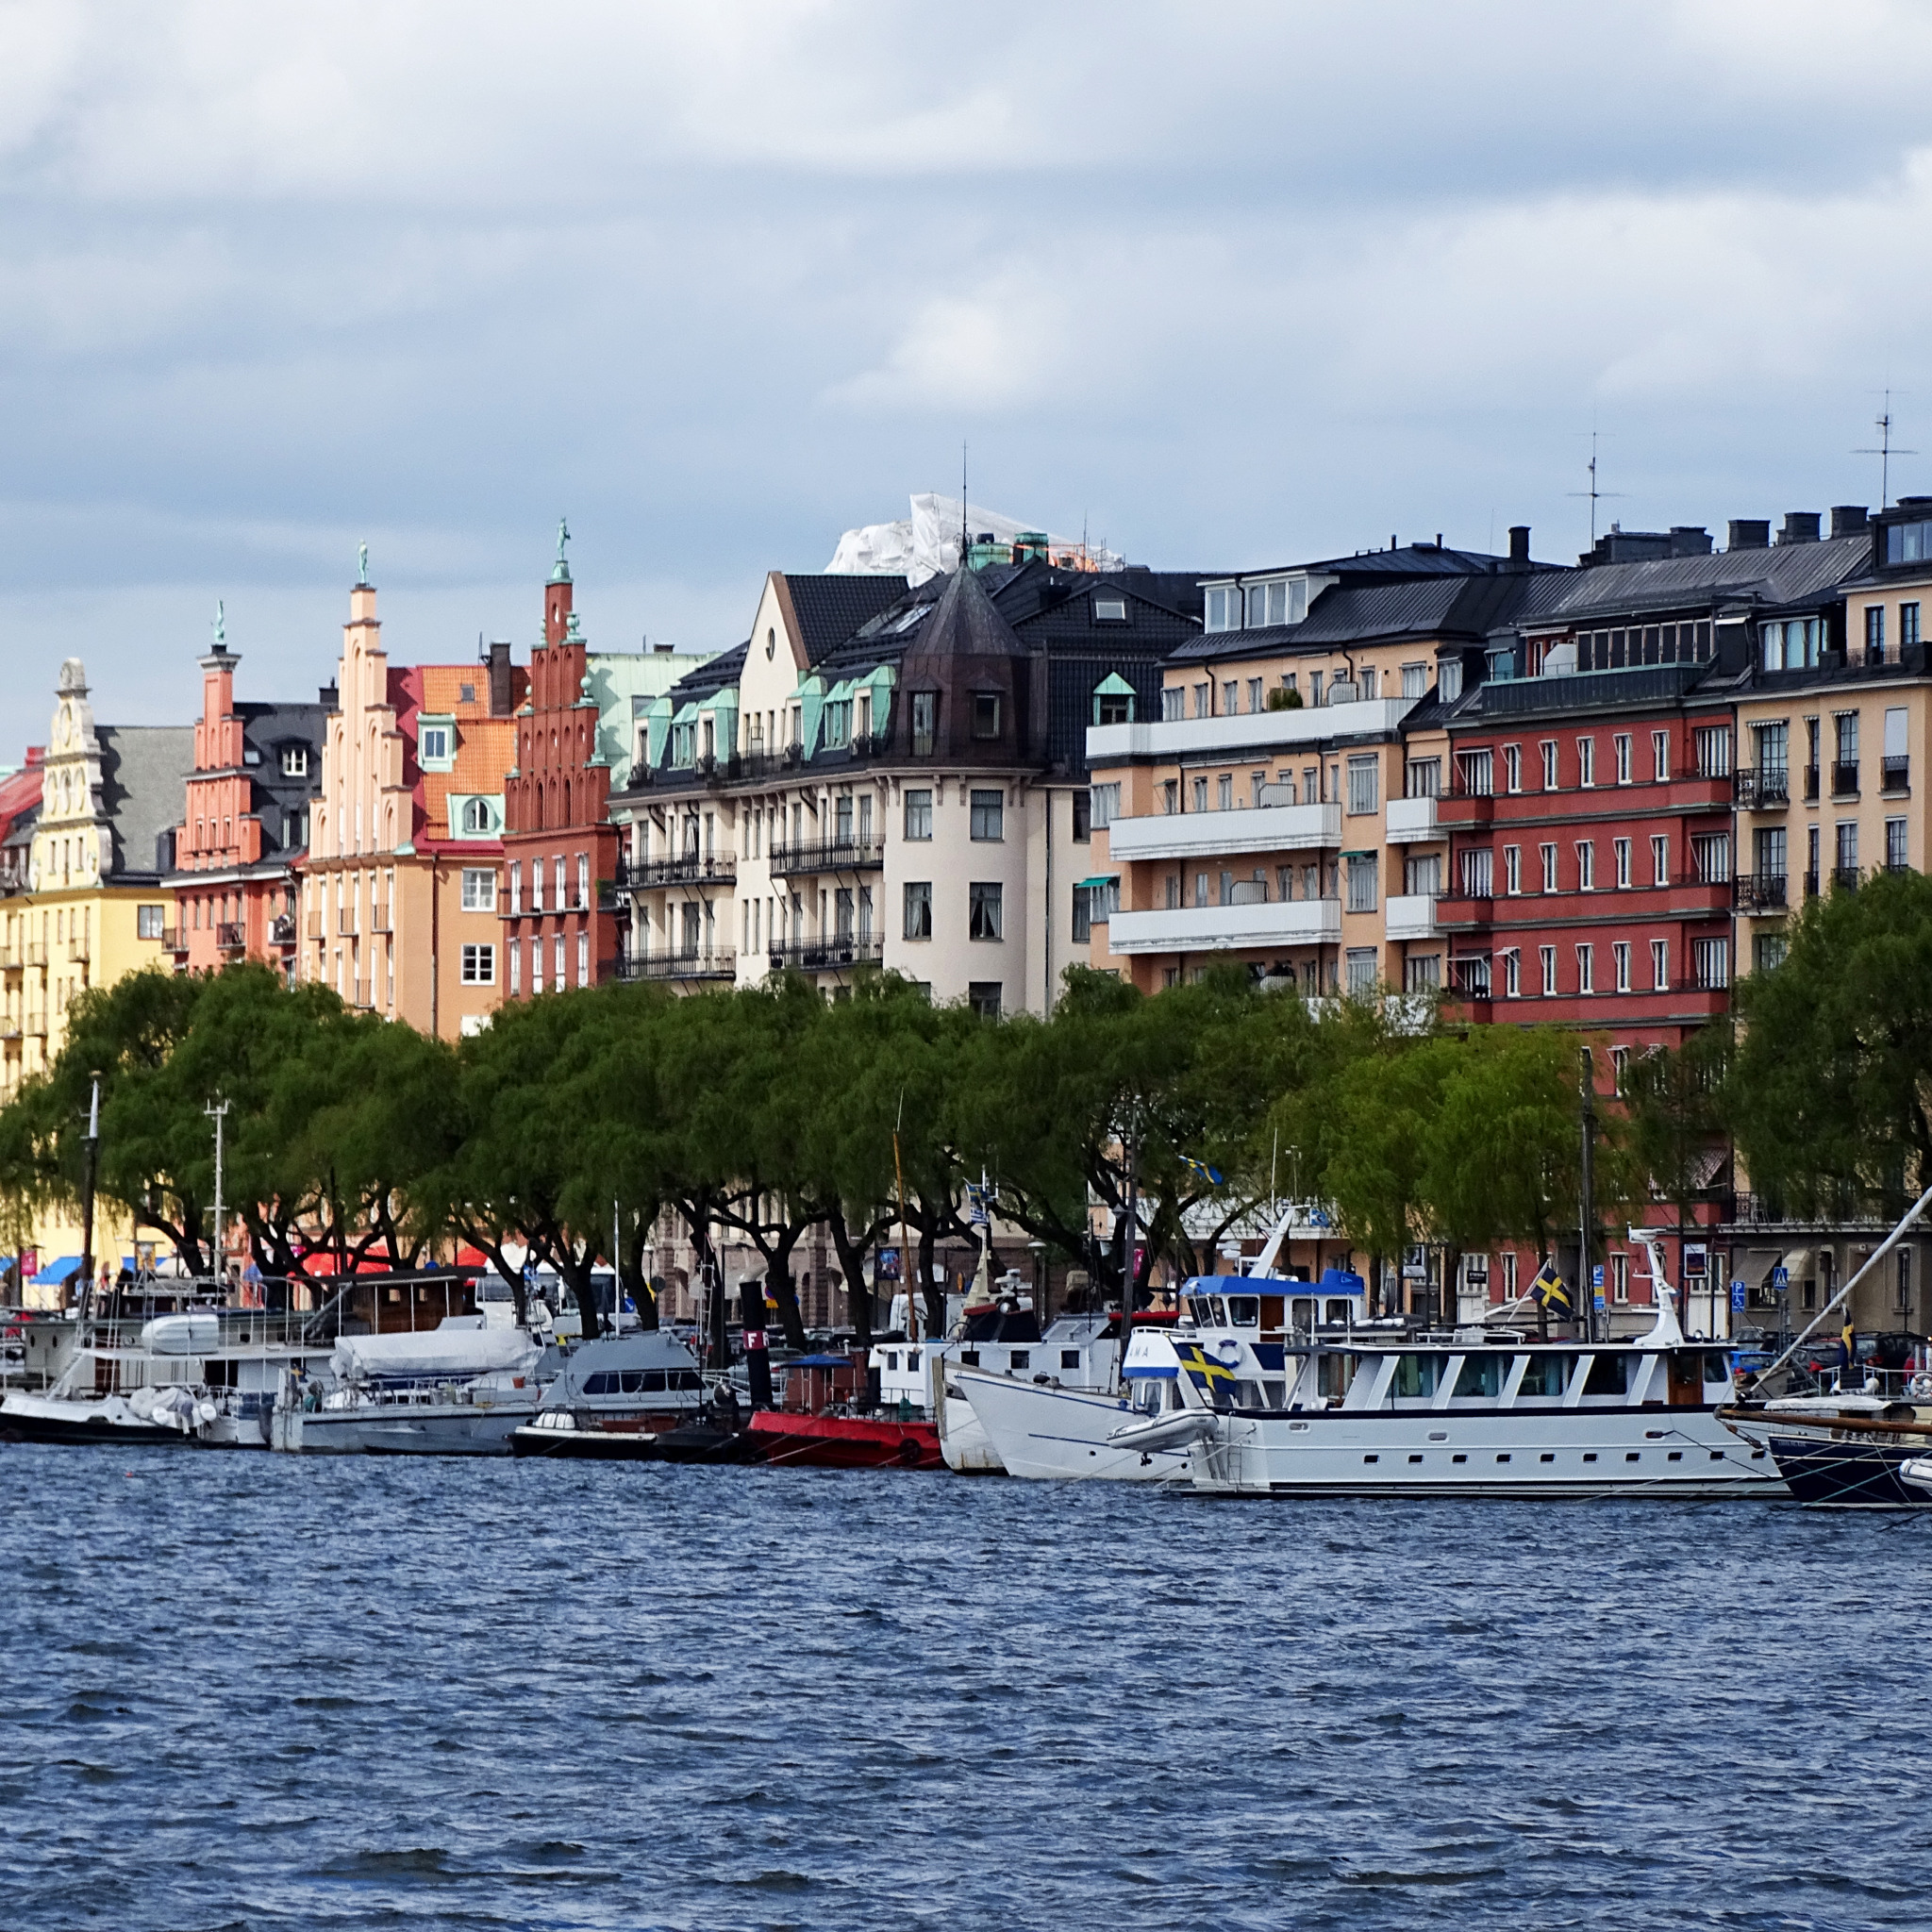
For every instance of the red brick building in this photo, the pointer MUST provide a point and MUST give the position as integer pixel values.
(562, 922)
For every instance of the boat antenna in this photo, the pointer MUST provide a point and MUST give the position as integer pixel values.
(963, 511)
(905, 1238)
(87, 1203)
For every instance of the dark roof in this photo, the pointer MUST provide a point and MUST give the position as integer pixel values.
(1405, 560)
(144, 792)
(727, 667)
(1348, 614)
(829, 606)
(965, 623)
(268, 728)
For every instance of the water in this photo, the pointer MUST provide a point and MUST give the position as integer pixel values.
(259, 1692)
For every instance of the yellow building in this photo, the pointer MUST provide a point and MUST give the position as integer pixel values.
(92, 910)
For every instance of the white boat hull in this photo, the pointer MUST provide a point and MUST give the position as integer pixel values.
(440, 1429)
(1514, 1452)
(963, 1440)
(1061, 1434)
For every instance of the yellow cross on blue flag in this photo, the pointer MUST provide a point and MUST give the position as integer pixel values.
(1215, 1380)
(1550, 1289)
(1201, 1171)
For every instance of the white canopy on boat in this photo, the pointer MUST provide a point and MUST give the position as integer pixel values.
(451, 1353)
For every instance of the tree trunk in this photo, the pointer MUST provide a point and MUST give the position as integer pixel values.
(852, 1262)
(934, 1292)
(783, 1288)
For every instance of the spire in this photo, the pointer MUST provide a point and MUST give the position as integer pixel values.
(562, 573)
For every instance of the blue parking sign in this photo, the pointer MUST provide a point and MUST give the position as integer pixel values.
(1737, 1298)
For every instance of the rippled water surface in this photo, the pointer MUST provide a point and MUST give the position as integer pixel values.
(257, 1690)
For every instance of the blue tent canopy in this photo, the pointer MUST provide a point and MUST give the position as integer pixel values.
(53, 1272)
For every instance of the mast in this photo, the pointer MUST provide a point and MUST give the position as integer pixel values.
(87, 1203)
(1586, 1221)
(1129, 1270)
(905, 1245)
(218, 1114)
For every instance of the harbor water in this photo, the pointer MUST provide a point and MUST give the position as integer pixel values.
(259, 1692)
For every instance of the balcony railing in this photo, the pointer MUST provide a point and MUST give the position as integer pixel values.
(1764, 789)
(1844, 778)
(231, 935)
(1810, 885)
(695, 965)
(1762, 891)
(35, 1026)
(828, 855)
(37, 952)
(714, 868)
(1845, 878)
(378, 919)
(78, 949)
(317, 926)
(1810, 782)
(173, 939)
(281, 929)
(1897, 774)
(345, 920)
(827, 956)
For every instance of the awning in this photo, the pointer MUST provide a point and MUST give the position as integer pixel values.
(1099, 878)
(1797, 1264)
(53, 1272)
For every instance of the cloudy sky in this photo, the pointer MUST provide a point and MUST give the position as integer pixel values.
(1227, 284)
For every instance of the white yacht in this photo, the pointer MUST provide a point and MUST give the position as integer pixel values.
(460, 1389)
(615, 1399)
(1474, 1411)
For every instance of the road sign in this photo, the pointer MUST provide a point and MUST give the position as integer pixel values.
(1780, 1278)
(1596, 1277)
(1737, 1298)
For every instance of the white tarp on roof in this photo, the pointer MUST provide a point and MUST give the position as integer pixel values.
(449, 1354)
(927, 542)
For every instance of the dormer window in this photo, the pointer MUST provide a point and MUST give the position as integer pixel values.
(1224, 607)
(436, 743)
(1110, 610)
(986, 714)
(294, 761)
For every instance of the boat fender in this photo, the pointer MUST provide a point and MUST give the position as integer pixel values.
(1922, 1386)
(908, 1452)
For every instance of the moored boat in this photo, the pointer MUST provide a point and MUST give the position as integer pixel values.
(1848, 1451)
(843, 1442)
(617, 1399)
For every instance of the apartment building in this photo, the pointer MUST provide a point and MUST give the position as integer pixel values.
(1282, 810)
(892, 775)
(401, 883)
(237, 853)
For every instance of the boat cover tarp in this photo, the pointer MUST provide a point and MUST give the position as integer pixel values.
(446, 1354)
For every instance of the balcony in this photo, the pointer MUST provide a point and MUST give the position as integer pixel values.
(316, 926)
(661, 966)
(1845, 878)
(1810, 784)
(1225, 834)
(378, 919)
(828, 855)
(35, 1026)
(1466, 811)
(1897, 774)
(1844, 778)
(1810, 885)
(1411, 916)
(1413, 821)
(11, 958)
(1762, 891)
(35, 952)
(827, 956)
(1216, 928)
(77, 950)
(1240, 739)
(716, 868)
(345, 920)
(281, 929)
(1766, 789)
(231, 935)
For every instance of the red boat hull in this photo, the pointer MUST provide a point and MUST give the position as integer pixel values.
(845, 1441)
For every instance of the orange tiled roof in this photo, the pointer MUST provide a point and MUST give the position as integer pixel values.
(486, 746)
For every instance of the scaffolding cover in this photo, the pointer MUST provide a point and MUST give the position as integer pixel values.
(926, 544)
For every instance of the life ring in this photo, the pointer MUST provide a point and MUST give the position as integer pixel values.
(1922, 1386)
(909, 1451)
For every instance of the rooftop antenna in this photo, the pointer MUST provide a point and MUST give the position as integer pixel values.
(1885, 451)
(962, 503)
(1593, 492)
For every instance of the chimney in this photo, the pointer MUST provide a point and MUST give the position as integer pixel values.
(331, 697)
(1801, 526)
(499, 679)
(1690, 539)
(1749, 533)
(1847, 519)
(1519, 544)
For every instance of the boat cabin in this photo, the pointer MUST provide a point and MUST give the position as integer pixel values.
(646, 1380)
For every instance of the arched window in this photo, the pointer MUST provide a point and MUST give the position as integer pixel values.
(476, 816)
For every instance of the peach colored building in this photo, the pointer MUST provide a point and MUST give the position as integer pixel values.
(399, 901)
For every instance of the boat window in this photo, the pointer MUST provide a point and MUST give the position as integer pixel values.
(1247, 1395)
(1274, 1394)
(494, 1289)
(685, 1378)
(653, 1381)
(1418, 1374)
(1482, 1374)
(1197, 1309)
(892, 1359)
(969, 1358)
(1546, 1374)
(1217, 1311)
(598, 1384)
(1144, 1391)
(911, 1357)
(633, 1381)
(1303, 1312)
(1022, 1357)
(1244, 1310)
(1338, 1310)
(1070, 1358)
(1333, 1373)
(1272, 1305)
(1610, 1374)
(1717, 1368)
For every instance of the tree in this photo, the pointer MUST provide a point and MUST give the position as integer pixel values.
(1675, 1129)
(1829, 1092)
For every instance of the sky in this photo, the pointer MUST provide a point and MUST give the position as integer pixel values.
(1226, 284)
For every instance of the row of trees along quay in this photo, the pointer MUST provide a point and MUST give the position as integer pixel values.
(767, 1113)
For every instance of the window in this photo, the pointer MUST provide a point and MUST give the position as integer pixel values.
(1199, 787)
(1422, 877)
(1474, 771)
(1710, 961)
(1791, 644)
(1254, 694)
(1083, 914)
(1548, 955)
(583, 958)
(294, 761)
(1512, 974)
(149, 922)
(1622, 745)
(1513, 870)
(1422, 974)
(988, 815)
(835, 728)
(1224, 793)
(1586, 865)
(1083, 813)
(1110, 610)
(918, 814)
(1621, 847)
(1549, 858)
(1875, 634)
(1586, 969)
(476, 818)
(1415, 680)
(1908, 626)
(1103, 806)
(1512, 767)
(1360, 967)
(516, 969)
(844, 907)
(1173, 704)
(1660, 965)
(434, 744)
(1315, 687)
(516, 886)
(1449, 680)
(557, 879)
(479, 889)
(1660, 859)
(479, 965)
(1367, 680)
(1425, 778)
(983, 996)
(1477, 875)
(584, 880)
(1619, 962)
(1361, 881)
(1586, 762)
(1223, 608)
(1363, 784)
(1713, 743)
(1203, 701)
(1847, 851)
(1228, 703)
(986, 715)
(1549, 764)
(926, 723)
(918, 908)
(984, 917)
(1660, 756)
(1710, 853)
(1895, 845)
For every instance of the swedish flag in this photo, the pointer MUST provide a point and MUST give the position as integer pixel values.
(1201, 1171)
(1214, 1379)
(1550, 1289)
